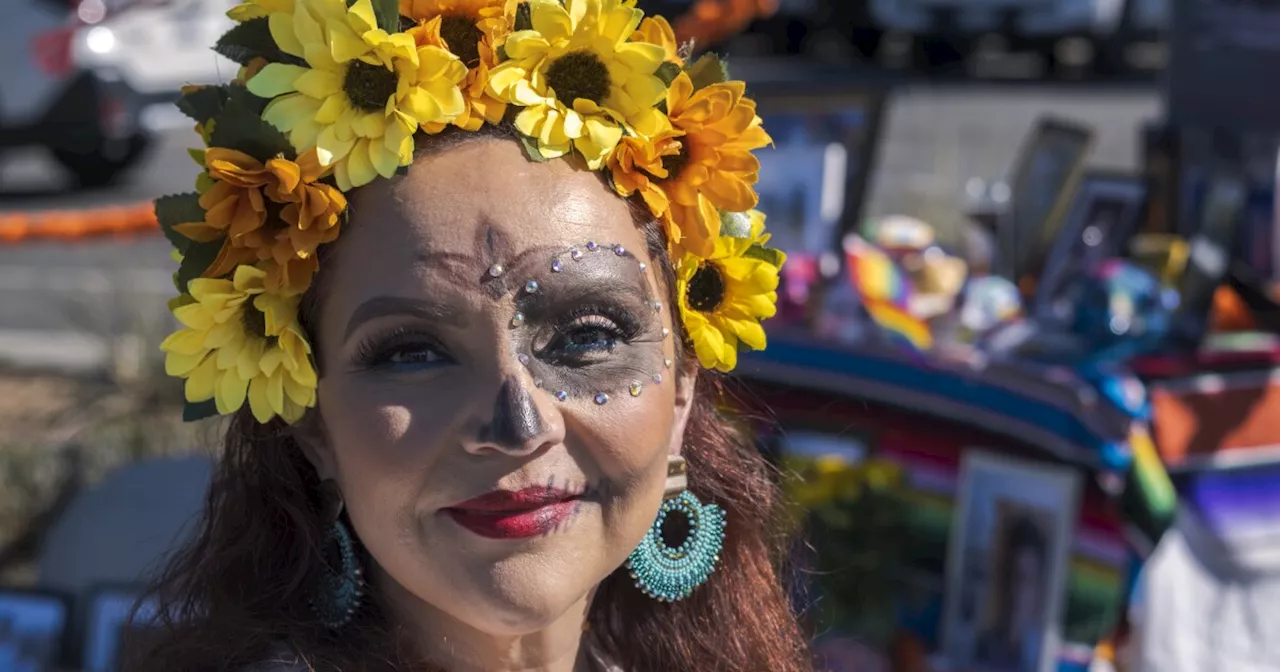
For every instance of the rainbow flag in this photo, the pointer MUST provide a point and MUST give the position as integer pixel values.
(876, 277)
(902, 326)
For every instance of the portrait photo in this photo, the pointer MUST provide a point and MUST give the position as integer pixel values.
(1044, 177)
(812, 177)
(1106, 212)
(1006, 574)
(113, 625)
(31, 630)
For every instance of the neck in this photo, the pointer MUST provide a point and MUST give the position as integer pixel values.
(456, 646)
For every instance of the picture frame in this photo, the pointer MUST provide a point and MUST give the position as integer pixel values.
(1049, 165)
(1007, 564)
(813, 179)
(1108, 209)
(33, 626)
(111, 623)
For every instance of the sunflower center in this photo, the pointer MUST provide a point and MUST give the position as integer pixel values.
(463, 38)
(675, 163)
(255, 322)
(706, 289)
(369, 86)
(579, 74)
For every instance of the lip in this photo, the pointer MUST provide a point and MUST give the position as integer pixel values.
(515, 514)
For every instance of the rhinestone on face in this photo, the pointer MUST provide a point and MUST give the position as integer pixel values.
(562, 395)
(667, 362)
(619, 250)
(531, 287)
(496, 270)
(524, 359)
(657, 378)
(517, 319)
(601, 398)
(555, 266)
(643, 266)
(657, 305)
(538, 383)
(666, 332)
(591, 246)
(576, 255)
(635, 388)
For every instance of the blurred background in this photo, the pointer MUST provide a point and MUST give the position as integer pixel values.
(1021, 389)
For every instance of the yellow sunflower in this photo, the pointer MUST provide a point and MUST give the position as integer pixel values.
(471, 30)
(715, 171)
(580, 78)
(363, 93)
(723, 298)
(656, 30)
(240, 342)
(257, 9)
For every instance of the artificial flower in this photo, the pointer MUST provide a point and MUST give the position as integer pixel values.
(471, 30)
(363, 92)
(580, 79)
(257, 9)
(638, 165)
(715, 171)
(275, 214)
(723, 297)
(656, 30)
(241, 342)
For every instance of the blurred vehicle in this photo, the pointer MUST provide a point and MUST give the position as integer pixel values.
(949, 30)
(87, 79)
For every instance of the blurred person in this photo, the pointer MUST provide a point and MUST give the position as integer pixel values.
(479, 429)
(1011, 642)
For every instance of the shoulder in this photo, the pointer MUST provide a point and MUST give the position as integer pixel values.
(282, 658)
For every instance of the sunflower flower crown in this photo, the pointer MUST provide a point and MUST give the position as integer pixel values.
(331, 96)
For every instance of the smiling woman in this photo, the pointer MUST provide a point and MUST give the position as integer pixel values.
(477, 436)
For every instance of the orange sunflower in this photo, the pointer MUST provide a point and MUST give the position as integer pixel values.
(716, 128)
(274, 215)
(470, 29)
(656, 30)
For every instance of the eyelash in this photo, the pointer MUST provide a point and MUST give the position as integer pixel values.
(379, 350)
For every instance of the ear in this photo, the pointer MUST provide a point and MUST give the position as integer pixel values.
(312, 438)
(686, 380)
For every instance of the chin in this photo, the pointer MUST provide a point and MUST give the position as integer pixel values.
(518, 598)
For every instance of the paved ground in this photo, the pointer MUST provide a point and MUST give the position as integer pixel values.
(57, 301)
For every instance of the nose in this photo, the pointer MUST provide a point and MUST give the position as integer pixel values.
(519, 424)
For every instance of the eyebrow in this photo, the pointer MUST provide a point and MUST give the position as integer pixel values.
(382, 306)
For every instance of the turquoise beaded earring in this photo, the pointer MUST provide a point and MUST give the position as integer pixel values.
(341, 588)
(670, 573)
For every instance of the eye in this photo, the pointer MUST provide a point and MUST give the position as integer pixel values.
(401, 350)
(588, 334)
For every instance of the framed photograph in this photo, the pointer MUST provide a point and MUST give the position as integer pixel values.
(1007, 565)
(1108, 209)
(814, 177)
(112, 622)
(1044, 177)
(32, 626)
(1209, 258)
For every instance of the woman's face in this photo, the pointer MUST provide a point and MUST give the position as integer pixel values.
(497, 404)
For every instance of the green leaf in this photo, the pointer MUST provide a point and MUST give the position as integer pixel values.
(238, 94)
(196, 260)
(524, 17)
(240, 127)
(193, 411)
(387, 13)
(502, 53)
(531, 148)
(768, 255)
(204, 103)
(707, 70)
(667, 72)
(247, 41)
(178, 209)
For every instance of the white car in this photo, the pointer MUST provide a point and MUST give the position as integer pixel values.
(91, 79)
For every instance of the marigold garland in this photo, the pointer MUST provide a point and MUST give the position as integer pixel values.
(329, 97)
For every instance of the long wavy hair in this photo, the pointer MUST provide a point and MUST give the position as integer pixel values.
(240, 587)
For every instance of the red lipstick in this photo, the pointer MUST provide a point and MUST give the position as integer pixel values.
(515, 514)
